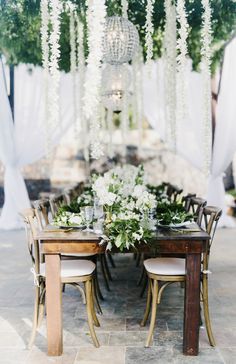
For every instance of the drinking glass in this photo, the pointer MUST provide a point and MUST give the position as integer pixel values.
(88, 215)
(98, 212)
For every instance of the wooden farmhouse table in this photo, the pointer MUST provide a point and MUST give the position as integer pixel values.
(192, 243)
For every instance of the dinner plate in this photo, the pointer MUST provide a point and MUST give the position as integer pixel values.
(182, 224)
(72, 227)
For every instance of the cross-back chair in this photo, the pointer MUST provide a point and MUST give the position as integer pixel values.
(195, 207)
(173, 192)
(56, 202)
(187, 199)
(72, 272)
(164, 271)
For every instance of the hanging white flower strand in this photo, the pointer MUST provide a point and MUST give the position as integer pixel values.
(137, 99)
(169, 45)
(73, 64)
(81, 78)
(182, 52)
(149, 28)
(124, 6)
(206, 72)
(54, 53)
(45, 63)
(96, 13)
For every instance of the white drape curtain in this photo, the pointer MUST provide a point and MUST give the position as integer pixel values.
(23, 142)
(225, 134)
(190, 132)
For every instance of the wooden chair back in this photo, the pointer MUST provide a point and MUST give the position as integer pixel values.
(42, 212)
(186, 200)
(173, 192)
(55, 202)
(31, 226)
(196, 206)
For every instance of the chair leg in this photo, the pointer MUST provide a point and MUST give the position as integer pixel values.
(144, 286)
(95, 302)
(141, 276)
(97, 286)
(138, 260)
(89, 300)
(35, 318)
(111, 260)
(153, 313)
(206, 310)
(104, 273)
(148, 305)
(107, 268)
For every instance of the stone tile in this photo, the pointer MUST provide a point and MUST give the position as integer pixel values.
(111, 324)
(152, 355)
(133, 324)
(129, 338)
(229, 355)
(168, 339)
(206, 356)
(79, 339)
(102, 355)
(38, 356)
(8, 356)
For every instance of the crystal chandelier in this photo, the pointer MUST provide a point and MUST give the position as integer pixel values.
(120, 41)
(115, 81)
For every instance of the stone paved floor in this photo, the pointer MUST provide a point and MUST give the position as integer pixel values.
(121, 338)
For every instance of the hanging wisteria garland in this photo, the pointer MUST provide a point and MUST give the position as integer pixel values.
(73, 63)
(96, 13)
(124, 6)
(45, 62)
(81, 80)
(54, 57)
(137, 99)
(170, 72)
(149, 29)
(182, 52)
(206, 72)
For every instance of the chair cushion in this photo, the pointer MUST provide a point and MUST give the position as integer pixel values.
(73, 268)
(165, 266)
(79, 254)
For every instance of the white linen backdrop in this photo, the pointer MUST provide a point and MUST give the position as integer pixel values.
(190, 132)
(225, 134)
(23, 142)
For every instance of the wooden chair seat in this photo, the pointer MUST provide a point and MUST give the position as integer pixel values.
(72, 268)
(165, 266)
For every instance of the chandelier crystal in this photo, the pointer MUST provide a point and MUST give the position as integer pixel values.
(120, 41)
(115, 83)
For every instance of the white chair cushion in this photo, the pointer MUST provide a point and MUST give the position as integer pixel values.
(73, 268)
(165, 266)
(79, 254)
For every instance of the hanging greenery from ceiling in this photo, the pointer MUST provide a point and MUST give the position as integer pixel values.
(20, 28)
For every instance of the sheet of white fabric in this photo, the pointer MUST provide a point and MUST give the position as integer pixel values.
(225, 134)
(23, 142)
(190, 136)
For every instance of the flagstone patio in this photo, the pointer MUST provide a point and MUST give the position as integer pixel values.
(121, 338)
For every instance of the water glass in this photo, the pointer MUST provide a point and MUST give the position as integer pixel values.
(88, 215)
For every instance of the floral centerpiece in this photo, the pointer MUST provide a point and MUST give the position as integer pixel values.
(123, 193)
(131, 207)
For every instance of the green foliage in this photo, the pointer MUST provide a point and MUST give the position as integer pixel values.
(172, 213)
(20, 28)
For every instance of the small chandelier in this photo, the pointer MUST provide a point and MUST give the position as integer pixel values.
(115, 81)
(120, 41)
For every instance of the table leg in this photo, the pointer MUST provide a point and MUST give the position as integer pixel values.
(54, 304)
(192, 305)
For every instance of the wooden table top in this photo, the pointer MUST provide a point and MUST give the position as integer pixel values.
(191, 232)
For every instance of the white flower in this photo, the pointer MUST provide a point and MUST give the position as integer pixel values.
(137, 236)
(75, 219)
(146, 201)
(138, 191)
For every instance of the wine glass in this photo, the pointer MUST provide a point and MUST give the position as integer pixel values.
(88, 215)
(98, 212)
